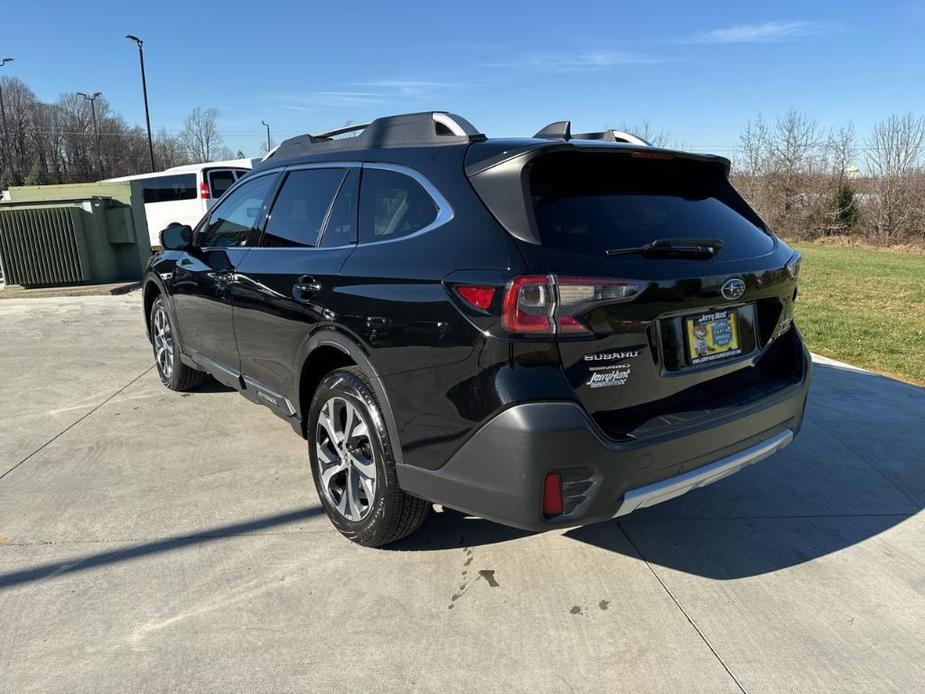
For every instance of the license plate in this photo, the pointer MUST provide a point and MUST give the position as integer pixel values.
(712, 336)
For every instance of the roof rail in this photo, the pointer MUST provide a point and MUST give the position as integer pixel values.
(562, 130)
(406, 130)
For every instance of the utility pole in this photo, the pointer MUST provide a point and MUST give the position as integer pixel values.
(267, 126)
(96, 131)
(7, 160)
(144, 89)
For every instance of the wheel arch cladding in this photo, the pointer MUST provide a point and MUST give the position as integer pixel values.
(149, 296)
(313, 371)
(320, 361)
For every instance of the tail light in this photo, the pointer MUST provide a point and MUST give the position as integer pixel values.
(548, 304)
(204, 191)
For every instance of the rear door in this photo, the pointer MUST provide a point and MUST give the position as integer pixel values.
(284, 287)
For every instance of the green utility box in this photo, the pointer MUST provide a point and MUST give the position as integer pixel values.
(84, 233)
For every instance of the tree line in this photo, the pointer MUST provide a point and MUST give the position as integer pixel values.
(807, 181)
(804, 180)
(46, 143)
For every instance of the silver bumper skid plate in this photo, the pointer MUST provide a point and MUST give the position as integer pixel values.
(658, 492)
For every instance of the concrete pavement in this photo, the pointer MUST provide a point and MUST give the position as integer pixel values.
(157, 541)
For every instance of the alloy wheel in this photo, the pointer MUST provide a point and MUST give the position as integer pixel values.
(346, 461)
(163, 342)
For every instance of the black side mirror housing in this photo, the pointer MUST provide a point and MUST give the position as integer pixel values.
(176, 237)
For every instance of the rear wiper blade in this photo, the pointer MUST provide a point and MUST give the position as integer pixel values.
(700, 248)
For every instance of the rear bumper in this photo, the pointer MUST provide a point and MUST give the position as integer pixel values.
(499, 472)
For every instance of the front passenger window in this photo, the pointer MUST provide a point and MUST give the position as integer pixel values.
(234, 221)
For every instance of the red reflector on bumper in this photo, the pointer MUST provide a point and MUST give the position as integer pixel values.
(552, 495)
(479, 297)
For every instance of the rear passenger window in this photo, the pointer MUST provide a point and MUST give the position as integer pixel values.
(220, 181)
(169, 188)
(393, 205)
(301, 207)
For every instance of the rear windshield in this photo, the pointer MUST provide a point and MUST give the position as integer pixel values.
(169, 188)
(589, 203)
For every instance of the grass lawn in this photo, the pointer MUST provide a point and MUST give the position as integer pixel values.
(865, 307)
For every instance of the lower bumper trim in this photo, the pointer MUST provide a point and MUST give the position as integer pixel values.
(664, 490)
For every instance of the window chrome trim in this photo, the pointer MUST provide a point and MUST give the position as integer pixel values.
(444, 210)
(238, 183)
(327, 213)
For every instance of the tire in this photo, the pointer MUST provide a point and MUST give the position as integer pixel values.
(353, 465)
(173, 372)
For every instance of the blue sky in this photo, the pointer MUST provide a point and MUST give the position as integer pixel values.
(698, 70)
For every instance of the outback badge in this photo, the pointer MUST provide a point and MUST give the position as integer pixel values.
(733, 288)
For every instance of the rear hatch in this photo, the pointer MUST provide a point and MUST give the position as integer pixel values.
(671, 297)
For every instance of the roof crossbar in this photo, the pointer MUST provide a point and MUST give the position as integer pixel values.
(406, 130)
(562, 130)
(330, 134)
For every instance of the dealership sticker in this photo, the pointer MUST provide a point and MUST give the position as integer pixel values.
(609, 376)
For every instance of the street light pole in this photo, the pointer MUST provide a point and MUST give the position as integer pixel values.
(267, 126)
(96, 131)
(144, 88)
(6, 146)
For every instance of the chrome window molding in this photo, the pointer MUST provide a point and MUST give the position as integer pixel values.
(444, 211)
(246, 179)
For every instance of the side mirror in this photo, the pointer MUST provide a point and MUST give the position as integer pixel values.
(176, 237)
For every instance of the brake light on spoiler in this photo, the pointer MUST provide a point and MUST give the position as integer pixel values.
(549, 304)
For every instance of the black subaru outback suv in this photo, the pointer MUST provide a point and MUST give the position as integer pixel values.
(544, 332)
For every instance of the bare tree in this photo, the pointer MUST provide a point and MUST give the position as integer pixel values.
(781, 171)
(842, 151)
(201, 136)
(20, 103)
(752, 164)
(55, 143)
(170, 151)
(895, 153)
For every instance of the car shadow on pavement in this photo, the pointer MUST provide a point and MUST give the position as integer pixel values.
(856, 470)
(139, 551)
(452, 529)
(210, 385)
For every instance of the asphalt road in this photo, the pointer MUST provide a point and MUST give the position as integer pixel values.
(157, 541)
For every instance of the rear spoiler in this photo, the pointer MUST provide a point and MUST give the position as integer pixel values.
(502, 178)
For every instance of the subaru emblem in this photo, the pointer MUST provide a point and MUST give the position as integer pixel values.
(733, 288)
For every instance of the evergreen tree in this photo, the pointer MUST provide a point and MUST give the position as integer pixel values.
(846, 209)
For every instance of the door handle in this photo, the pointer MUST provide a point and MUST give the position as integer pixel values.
(305, 288)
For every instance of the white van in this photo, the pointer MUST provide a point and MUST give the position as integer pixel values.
(183, 194)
